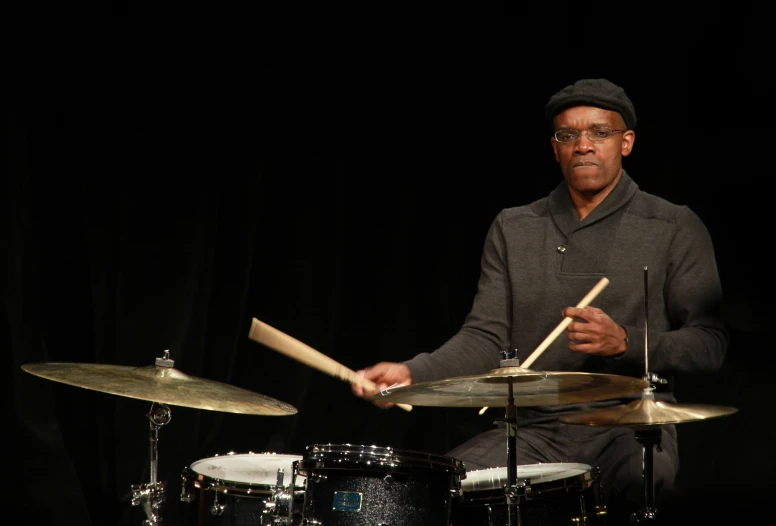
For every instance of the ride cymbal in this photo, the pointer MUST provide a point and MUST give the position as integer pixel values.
(646, 413)
(160, 384)
(529, 388)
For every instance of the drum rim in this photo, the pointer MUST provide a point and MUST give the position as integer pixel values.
(372, 457)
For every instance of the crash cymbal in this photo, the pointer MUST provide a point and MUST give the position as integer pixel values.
(647, 412)
(529, 388)
(160, 384)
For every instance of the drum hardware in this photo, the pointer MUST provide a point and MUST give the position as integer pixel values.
(162, 385)
(151, 495)
(645, 416)
(514, 487)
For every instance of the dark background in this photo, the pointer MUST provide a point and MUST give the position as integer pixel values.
(338, 184)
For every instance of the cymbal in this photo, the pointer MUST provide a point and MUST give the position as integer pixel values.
(646, 413)
(160, 384)
(529, 388)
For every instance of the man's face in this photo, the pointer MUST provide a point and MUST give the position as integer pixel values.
(589, 166)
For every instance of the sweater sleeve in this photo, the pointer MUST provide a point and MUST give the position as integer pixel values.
(475, 348)
(698, 339)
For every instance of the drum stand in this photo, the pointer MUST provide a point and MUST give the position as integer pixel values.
(150, 495)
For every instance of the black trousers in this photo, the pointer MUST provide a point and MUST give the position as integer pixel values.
(615, 452)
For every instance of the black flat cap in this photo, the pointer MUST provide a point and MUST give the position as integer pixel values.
(600, 93)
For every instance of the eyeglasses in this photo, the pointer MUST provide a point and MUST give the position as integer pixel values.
(594, 134)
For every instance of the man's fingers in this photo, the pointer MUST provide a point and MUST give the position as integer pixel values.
(356, 387)
(583, 315)
(588, 313)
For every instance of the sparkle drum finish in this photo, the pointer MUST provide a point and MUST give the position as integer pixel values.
(356, 485)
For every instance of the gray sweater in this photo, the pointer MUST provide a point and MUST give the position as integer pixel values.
(540, 258)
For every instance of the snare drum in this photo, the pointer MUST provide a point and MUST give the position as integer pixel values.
(554, 494)
(354, 485)
(242, 489)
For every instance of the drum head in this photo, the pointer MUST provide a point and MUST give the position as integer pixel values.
(260, 469)
(537, 475)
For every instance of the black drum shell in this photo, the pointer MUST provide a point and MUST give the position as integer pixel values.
(352, 485)
(571, 499)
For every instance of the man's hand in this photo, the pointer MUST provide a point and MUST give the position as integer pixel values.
(594, 332)
(383, 374)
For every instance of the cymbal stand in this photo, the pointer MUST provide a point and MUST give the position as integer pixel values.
(649, 437)
(150, 495)
(513, 489)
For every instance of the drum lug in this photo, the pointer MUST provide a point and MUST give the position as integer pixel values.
(317, 477)
(582, 519)
(601, 510)
(217, 508)
(187, 492)
(519, 489)
(268, 514)
(186, 496)
(279, 509)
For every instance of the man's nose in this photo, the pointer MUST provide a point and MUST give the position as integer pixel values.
(584, 144)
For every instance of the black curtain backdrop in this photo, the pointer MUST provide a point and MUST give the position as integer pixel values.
(341, 193)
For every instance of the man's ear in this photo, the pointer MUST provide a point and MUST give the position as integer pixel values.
(628, 138)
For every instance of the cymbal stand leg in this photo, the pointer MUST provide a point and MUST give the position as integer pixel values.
(513, 490)
(649, 439)
(151, 494)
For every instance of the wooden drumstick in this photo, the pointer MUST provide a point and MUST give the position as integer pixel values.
(285, 344)
(601, 285)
